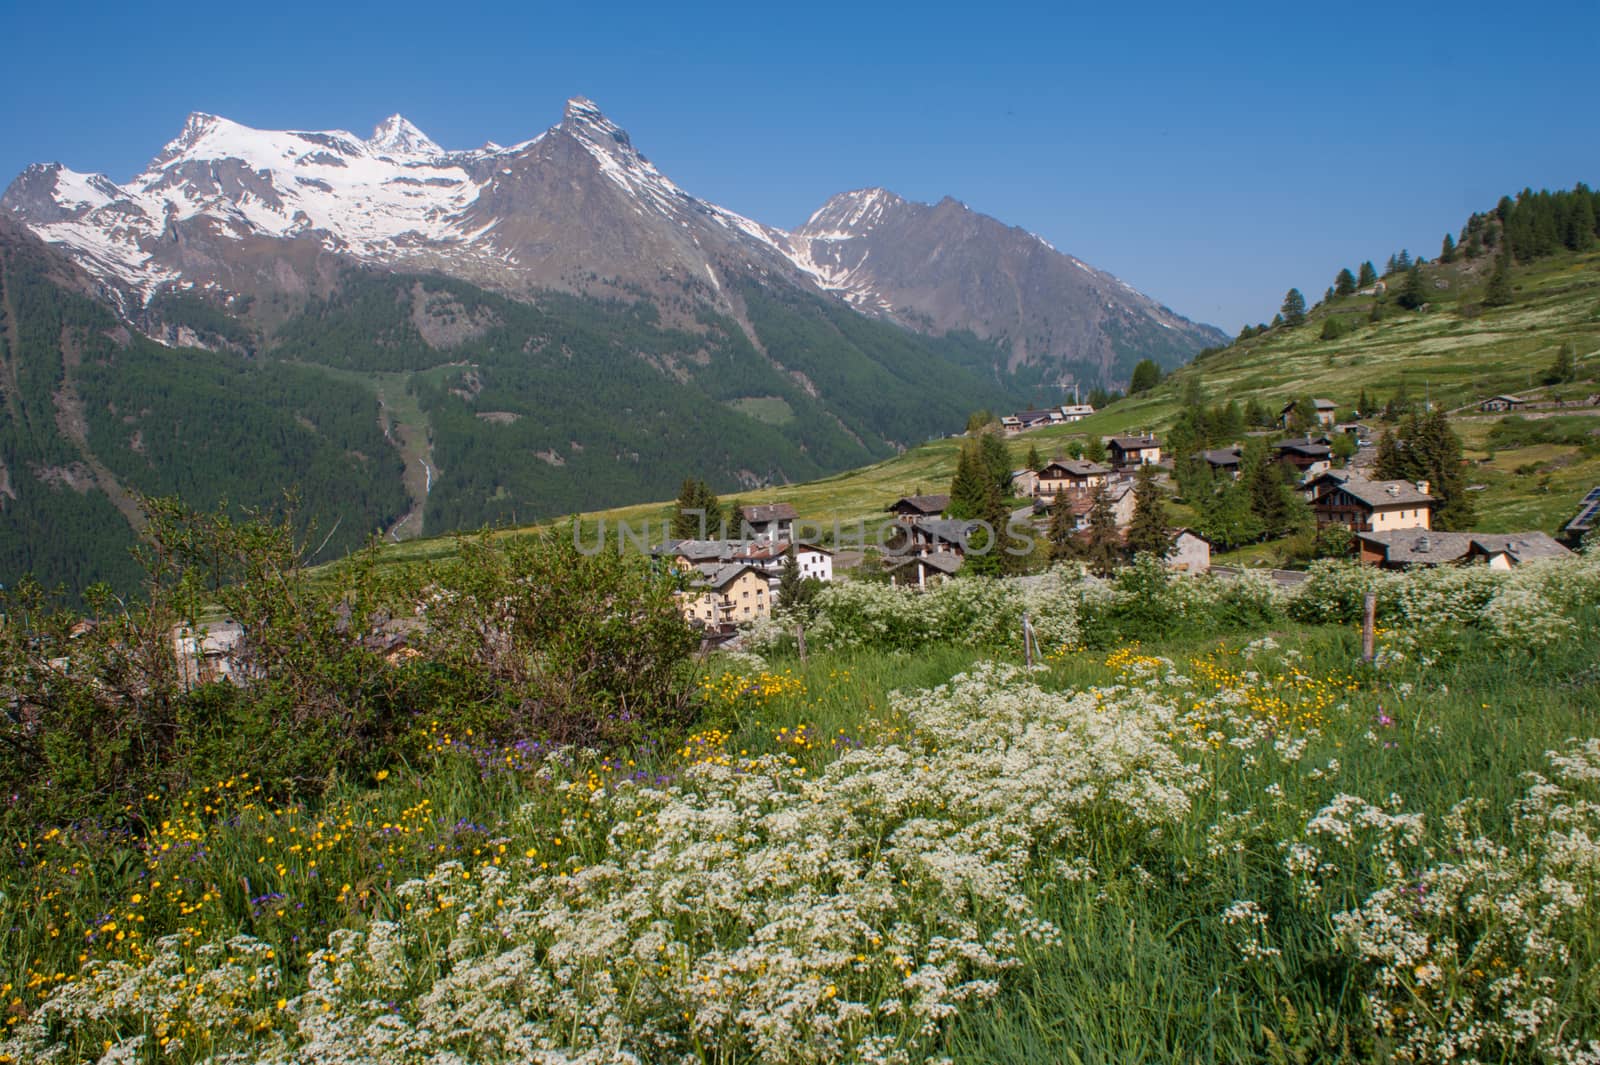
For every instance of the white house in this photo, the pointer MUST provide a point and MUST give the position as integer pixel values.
(1190, 553)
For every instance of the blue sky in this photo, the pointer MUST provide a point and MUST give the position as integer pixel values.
(1211, 158)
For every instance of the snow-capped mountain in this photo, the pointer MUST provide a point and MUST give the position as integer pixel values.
(235, 210)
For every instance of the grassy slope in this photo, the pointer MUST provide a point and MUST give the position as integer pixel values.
(1451, 357)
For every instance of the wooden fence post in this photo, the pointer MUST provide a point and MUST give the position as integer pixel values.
(800, 640)
(1369, 616)
(1027, 639)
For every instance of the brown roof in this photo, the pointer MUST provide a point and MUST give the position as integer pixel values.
(1134, 443)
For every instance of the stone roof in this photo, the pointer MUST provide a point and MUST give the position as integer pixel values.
(1223, 456)
(1134, 443)
(1419, 547)
(1305, 447)
(944, 561)
(695, 550)
(1382, 493)
(718, 575)
(1521, 547)
(1432, 547)
(761, 513)
(946, 530)
(1077, 468)
(1318, 404)
(930, 504)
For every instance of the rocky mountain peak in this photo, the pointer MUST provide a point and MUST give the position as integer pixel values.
(396, 135)
(851, 213)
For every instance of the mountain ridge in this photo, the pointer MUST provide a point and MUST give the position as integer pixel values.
(575, 208)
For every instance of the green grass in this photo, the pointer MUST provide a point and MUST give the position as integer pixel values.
(773, 410)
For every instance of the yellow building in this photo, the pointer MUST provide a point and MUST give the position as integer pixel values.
(725, 594)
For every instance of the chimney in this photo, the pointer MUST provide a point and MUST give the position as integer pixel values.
(1422, 486)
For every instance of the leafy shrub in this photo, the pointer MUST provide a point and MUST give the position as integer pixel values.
(569, 647)
(525, 639)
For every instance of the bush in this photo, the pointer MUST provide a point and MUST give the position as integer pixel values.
(966, 612)
(566, 647)
(527, 639)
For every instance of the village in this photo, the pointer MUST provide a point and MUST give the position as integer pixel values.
(741, 578)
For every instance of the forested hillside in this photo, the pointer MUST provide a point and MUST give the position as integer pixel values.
(535, 410)
(92, 415)
(395, 397)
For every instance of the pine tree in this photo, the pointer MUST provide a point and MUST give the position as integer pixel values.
(1100, 546)
(969, 487)
(1094, 449)
(1146, 375)
(1447, 250)
(1438, 453)
(1147, 532)
(1304, 414)
(695, 495)
(1369, 275)
(1562, 370)
(1327, 297)
(986, 554)
(795, 593)
(996, 460)
(1579, 230)
(1226, 517)
(1403, 261)
(1266, 486)
(1294, 308)
(1063, 526)
(1388, 464)
(1345, 283)
(1364, 404)
(1255, 414)
(1035, 460)
(1498, 294)
(1414, 293)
